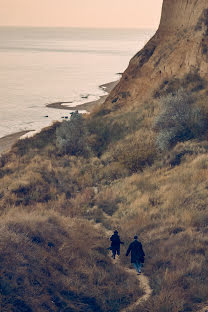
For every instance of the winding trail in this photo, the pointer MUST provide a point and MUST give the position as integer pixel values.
(143, 282)
(145, 285)
(205, 309)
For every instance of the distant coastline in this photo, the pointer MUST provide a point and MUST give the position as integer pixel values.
(8, 141)
(77, 62)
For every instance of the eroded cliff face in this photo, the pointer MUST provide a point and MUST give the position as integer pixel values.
(179, 47)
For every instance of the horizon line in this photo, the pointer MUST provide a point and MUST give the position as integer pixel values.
(76, 27)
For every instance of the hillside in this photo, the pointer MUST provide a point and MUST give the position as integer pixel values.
(178, 48)
(138, 163)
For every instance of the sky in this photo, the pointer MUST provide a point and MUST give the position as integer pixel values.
(81, 13)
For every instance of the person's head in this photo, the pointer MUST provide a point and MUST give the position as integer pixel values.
(135, 237)
(115, 232)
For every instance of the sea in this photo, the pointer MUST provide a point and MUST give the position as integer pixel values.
(39, 66)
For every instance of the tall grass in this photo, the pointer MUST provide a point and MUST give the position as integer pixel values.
(54, 258)
(58, 263)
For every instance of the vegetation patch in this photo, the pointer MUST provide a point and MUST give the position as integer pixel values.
(72, 136)
(54, 281)
(179, 120)
(57, 200)
(203, 21)
(145, 54)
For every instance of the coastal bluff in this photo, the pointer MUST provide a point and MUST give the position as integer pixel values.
(178, 48)
(138, 164)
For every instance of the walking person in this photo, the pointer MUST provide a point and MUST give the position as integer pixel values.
(137, 254)
(115, 244)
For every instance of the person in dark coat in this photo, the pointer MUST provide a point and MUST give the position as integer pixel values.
(137, 254)
(115, 244)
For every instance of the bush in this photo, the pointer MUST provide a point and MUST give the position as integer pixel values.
(179, 120)
(103, 132)
(136, 151)
(72, 136)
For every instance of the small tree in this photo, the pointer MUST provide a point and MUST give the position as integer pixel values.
(179, 119)
(72, 136)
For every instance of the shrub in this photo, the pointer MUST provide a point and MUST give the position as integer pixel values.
(103, 131)
(191, 81)
(29, 189)
(71, 136)
(179, 120)
(134, 153)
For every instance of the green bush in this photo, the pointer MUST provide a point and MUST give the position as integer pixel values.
(72, 136)
(103, 131)
(179, 120)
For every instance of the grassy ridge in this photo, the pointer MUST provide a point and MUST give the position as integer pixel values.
(52, 195)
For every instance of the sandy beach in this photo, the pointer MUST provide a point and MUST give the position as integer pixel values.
(9, 140)
(88, 106)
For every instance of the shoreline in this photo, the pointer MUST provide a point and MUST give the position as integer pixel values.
(8, 141)
(88, 106)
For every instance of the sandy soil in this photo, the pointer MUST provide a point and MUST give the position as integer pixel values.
(89, 105)
(9, 140)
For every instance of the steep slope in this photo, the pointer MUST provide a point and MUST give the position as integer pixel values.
(179, 47)
(56, 185)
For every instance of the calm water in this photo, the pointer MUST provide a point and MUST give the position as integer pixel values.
(45, 65)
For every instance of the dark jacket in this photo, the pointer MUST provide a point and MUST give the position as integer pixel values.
(115, 241)
(137, 253)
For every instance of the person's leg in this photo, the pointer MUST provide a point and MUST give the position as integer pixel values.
(138, 266)
(135, 265)
(113, 253)
(118, 251)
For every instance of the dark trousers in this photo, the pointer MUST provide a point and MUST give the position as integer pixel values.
(138, 266)
(115, 251)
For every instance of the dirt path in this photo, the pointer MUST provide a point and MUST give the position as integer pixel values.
(205, 309)
(145, 285)
(143, 282)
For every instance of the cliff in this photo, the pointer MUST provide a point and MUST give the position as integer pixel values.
(179, 47)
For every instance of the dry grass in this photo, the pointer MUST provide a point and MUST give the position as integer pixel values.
(57, 263)
(50, 202)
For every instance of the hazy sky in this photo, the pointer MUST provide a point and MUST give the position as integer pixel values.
(81, 13)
